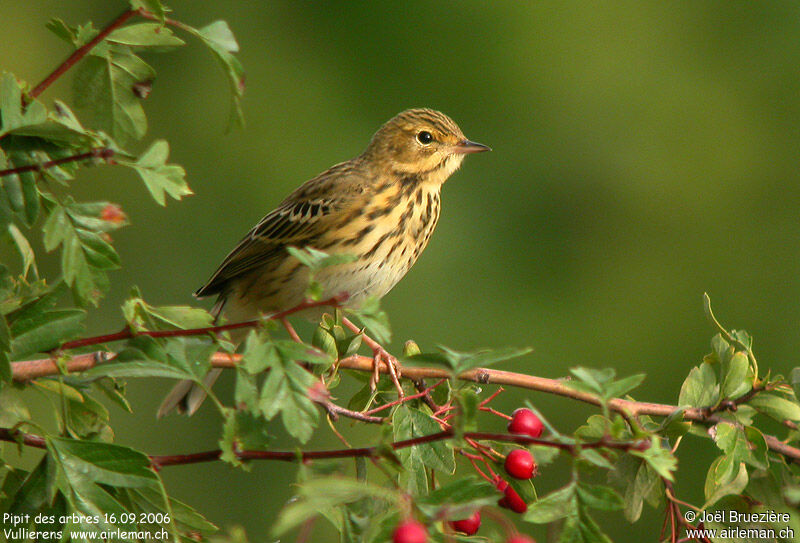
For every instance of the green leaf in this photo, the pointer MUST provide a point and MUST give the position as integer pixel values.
(700, 389)
(128, 367)
(409, 423)
(321, 495)
(639, 482)
(556, 505)
(457, 499)
(12, 113)
(160, 177)
(102, 463)
(190, 354)
(85, 255)
(286, 386)
(58, 388)
(24, 248)
(619, 388)
(104, 87)
(145, 35)
(741, 443)
(374, 319)
(153, 6)
(738, 379)
(599, 497)
(20, 190)
(95, 216)
(12, 408)
(45, 331)
(726, 476)
(659, 458)
(776, 407)
(35, 492)
(222, 43)
(142, 316)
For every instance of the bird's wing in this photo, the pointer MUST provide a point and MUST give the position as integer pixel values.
(298, 221)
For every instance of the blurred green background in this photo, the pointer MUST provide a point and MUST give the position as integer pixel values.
(644, 153)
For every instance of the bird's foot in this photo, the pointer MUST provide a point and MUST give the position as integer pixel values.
(379, 356)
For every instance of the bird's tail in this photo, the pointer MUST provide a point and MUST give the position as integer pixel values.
(187, 396)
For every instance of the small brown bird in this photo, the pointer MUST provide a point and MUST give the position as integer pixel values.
(381, 207)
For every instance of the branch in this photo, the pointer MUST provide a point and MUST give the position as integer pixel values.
(103, 153)
(81, 52)
(159, 461)
(31, 369)
(127, 333)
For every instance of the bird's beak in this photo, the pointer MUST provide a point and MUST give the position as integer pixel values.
(465, 147)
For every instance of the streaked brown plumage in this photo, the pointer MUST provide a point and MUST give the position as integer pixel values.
(382, 206)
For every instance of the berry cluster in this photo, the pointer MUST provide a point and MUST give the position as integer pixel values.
(519, 464)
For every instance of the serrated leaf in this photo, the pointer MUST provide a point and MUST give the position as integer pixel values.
(220, 40)
(558, 504)
(160, 177)
(659, 458)
(409, 423)
(12, 112)
(151, 500)
(104, 87)
(103, 463)
(45, 331)
(374, 319)
(142, 316)
(736, 381)
(325, 494)
(285, 388)
(135, 368)
(639, 483)
(726, 476)
(776, 407)
(700, 389)
(457, 499)
(619, 388)
(85, 255)
(153, 6)
(145, 35)
(20, 189)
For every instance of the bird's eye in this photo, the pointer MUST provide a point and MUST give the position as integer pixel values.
(424, 137)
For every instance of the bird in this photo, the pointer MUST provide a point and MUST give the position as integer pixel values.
(381, 207)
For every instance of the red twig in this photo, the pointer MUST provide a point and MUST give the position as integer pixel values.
(103, 152)
(494, 412)
(159, 461)
(31, 440)
(127, 333)
(404, 399)
(81, 52)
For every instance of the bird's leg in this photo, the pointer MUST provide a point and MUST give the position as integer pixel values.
(379, 354)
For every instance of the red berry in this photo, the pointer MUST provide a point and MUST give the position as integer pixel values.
(468, 526)
(410, 531)
(510, 500)
(524, 421)
(519, 538)
(520, 464)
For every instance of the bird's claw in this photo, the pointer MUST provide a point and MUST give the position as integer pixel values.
(380, 355)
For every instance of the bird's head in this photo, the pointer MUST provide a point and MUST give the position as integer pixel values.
(421, 142)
